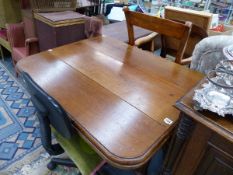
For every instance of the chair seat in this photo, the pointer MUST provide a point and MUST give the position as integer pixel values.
(19, 53)
(87, 159)
(154, 167)
(80, 152)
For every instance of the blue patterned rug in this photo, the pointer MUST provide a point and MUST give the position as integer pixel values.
(21, 151)
(19, 131)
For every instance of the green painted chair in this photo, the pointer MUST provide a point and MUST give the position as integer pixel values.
(81, 153)
(53, 119)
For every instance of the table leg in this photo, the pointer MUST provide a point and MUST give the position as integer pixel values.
(103, 7)
(184, 130)
(140, 173)
(143, 169)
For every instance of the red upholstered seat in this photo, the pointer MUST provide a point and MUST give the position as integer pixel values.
(21, 46)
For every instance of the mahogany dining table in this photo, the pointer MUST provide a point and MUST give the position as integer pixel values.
(119, 97)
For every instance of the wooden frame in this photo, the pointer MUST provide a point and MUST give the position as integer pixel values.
(164, 27)
(103, 97)
(199, 18)
(203, 136)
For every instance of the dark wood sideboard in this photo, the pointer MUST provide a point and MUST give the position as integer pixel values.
(203, 142)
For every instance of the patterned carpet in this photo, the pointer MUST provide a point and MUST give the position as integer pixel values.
(19, 129)
(21, 151)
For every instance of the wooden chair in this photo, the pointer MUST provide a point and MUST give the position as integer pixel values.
(165, 27)
(199, 18)
(196, 35)
(201, 22)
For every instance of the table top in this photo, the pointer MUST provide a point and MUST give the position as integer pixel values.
(223, 126)
(117, 95)
(119, 31)
(60, 19)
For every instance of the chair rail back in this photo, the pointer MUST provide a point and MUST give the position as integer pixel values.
(164, 27)
(196, 35)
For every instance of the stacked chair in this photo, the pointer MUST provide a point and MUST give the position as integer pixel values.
(178, 38)
(21, 45)
(9, 13)
(164, 27)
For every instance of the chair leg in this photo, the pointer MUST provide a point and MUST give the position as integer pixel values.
(152, 46)
(95, 171)
(58, 161)
(1, 53)
(16, 71)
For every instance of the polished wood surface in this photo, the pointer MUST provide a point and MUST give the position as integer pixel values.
(222, 126)
(118, 31)
(117, 94)
(165, 27)
(200, 18)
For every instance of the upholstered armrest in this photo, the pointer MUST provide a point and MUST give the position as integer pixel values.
(32, 45)
(15, 34)
(209, 52)
(31, 40)
(93, 27)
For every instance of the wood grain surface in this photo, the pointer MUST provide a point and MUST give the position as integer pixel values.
(117, 95)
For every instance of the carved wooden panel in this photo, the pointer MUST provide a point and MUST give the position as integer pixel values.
(215, 162)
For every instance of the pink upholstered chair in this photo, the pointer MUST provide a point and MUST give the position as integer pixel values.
(21, 46)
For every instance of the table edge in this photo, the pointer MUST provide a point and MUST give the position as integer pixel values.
(203, 120)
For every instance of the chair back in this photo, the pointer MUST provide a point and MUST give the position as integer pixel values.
(202, 19)
(16, 35)
(164, 27)
(47, 107)
(196, 35)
